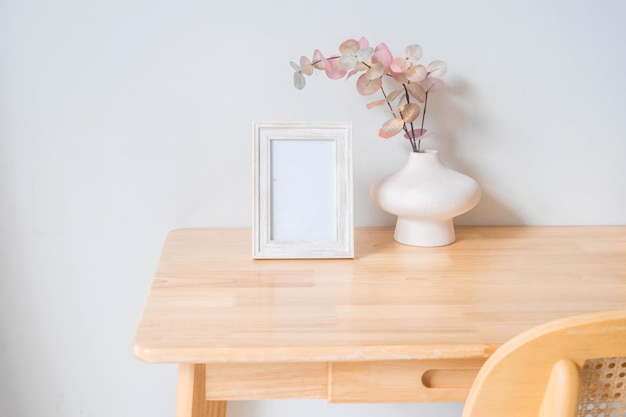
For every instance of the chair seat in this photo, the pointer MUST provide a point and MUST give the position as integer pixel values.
(603, 388)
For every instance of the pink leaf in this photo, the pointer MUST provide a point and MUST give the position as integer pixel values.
(400, 64)
(432, 84)
(394, 94)
(415, 133)
(333, 68)
(391, 128)
(410, 112)
(418, 136)
(425, 135)
(367, 87)
(413, 53)
(437, 69)
(416, 73)
(383, 55)
(399, 77)
(305, 66)
(349, 46)
(417, 91)
(363, 42)
(376, 103)
(375, 71)
(351, 73)
(318, 59)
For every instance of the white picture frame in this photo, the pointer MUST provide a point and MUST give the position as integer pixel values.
(303, 190)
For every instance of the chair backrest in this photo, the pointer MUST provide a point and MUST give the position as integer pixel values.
(564, 368)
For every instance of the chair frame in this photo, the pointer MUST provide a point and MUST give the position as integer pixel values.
(547, 358)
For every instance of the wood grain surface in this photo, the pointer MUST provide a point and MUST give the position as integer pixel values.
(210, 302)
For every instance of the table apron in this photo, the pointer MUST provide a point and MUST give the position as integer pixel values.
(344, 382)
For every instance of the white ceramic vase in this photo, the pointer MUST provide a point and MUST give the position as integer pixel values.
(426, 196)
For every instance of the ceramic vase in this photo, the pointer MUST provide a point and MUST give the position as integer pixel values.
(425, 195)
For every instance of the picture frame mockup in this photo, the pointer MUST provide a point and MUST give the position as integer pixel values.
(303, 190)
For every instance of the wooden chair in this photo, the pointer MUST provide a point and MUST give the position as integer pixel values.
(565, 368)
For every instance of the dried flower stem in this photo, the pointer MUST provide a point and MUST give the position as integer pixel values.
(419, 142)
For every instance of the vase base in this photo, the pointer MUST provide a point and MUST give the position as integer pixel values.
(424, 233)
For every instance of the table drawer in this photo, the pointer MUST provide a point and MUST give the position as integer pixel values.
(402, 380)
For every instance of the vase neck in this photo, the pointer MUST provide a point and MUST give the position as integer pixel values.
(430, 157)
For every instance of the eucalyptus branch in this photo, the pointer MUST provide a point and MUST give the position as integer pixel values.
(374, 64)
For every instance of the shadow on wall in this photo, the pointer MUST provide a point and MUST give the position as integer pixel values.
(450, 116)
(453, 121)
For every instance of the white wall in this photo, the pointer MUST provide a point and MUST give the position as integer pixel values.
(120, 120)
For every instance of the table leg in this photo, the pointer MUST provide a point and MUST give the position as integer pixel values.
(191, 395)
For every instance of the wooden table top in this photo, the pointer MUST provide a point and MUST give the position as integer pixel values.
(211, 302)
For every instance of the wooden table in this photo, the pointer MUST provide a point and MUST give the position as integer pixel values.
(395, 324)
